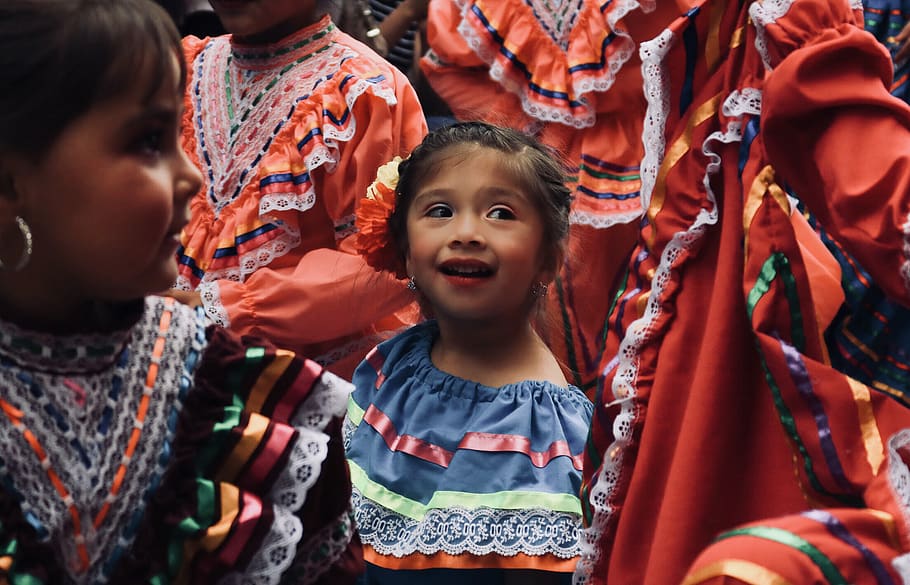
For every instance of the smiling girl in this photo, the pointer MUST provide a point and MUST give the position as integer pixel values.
(465, 439)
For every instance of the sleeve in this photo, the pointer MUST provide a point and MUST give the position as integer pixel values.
(835, 134)
(331, 292)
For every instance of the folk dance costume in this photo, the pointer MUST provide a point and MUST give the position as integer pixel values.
(166, 452)
(288, 137)
(454, 480)
(725, 447)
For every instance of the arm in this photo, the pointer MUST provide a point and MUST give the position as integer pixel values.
(834, 133)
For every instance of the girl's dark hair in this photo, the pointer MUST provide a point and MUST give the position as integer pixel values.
(60, 57)
(536, 167)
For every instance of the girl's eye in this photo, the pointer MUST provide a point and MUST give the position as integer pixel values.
(501, 213)
(439, 210)
(150, 142)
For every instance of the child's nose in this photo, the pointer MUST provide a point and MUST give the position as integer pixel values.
(188, 177)
(468, 230)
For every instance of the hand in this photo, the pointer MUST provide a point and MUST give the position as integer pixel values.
(903, 39)
(187, 297)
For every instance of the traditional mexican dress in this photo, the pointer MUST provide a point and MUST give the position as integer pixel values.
(725, 445)
(568, 72)
(168, 452)
(451, 474)
(288, 137)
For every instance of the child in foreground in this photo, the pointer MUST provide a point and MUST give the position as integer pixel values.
(137, 445)
(464, 437)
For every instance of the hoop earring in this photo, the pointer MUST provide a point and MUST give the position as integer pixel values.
(412, 284)
(539, 289)
(26, 233)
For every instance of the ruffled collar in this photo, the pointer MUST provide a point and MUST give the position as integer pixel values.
(294, 47)
(81, 353)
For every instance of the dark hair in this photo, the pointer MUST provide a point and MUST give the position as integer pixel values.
(537, 168)
(59, 57)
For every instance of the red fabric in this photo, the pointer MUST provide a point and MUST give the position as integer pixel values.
(735, 414)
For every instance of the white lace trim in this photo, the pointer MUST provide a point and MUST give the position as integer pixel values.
(271, 561)
(211, 302)
(580, 87)
(454, 531)
(326, 401)
(601, 222)
(264, 255)
(656, 91)
(283, 202)
(324, 548)
(762, 14)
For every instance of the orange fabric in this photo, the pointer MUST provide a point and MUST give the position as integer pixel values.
(442, 560)
(320, 298)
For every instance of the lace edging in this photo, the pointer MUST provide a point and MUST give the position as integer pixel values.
(614, 63)
(601, 222)
(277, 554)
(211, 302)
(454, 531)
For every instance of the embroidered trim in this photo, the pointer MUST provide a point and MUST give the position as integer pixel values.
(211, 302)
(480, 531)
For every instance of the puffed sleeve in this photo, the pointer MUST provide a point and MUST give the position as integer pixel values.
(329, 291)
(834, 133)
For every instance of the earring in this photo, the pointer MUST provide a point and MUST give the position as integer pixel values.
(539, 289)
(26, 233)
(412, 284)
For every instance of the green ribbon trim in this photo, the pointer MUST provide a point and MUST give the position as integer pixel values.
(510, 500)
(781, 536)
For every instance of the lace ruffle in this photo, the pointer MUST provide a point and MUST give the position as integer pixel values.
(558, 55)
(259, 168)
(480, 531)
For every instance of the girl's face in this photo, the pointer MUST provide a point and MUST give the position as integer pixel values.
(107, 202)
(264, 21)
(475, 239)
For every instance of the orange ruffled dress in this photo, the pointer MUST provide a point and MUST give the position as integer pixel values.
(569, 73)
(725, 448)
(288, 137)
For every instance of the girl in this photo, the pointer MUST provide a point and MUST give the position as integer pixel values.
(136, 446)
(288, 119)
(465, 438)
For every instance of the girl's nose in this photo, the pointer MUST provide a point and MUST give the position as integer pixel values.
(188, 177)
(467, 231)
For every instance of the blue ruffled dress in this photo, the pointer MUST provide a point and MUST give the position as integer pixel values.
(450, 474)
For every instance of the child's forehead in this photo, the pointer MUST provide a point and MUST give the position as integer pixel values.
(471, 155)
